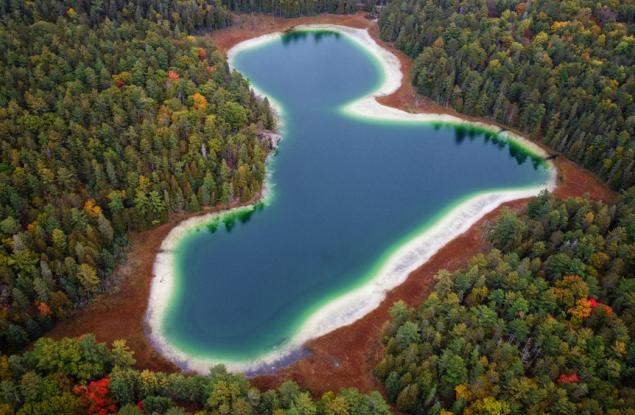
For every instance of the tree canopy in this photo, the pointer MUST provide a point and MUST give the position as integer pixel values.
(542, 322)
(108, 123)
(563, 72)
(82, 376)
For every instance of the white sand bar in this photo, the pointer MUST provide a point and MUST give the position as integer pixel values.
(355, 304)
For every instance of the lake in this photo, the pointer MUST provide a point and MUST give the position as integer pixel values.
(347, 195)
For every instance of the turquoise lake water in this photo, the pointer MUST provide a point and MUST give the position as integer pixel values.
(346, 192)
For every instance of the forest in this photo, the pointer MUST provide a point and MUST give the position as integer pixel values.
(544, 321)
(295, 8)
(563, 72)
(105, 128)
(82, 376)
(113, 116)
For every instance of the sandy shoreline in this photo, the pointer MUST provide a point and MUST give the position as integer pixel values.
(344, 357)
(349, 307)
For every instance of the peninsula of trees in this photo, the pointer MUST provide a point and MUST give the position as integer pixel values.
(563, 72)
(108, 126)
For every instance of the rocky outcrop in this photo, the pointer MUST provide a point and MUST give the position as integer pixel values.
(270, 137)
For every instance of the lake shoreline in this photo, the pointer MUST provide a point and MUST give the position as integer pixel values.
(345, 308)
(343, 357)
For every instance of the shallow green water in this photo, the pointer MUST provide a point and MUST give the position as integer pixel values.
(347, 193)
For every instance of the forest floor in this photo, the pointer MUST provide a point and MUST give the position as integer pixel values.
(344, 357)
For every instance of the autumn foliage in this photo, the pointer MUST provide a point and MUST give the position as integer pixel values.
(536, 46)
(572, 378)
(547, 314)
(44, 309)
(200, 102)
(582, 309)
(114, 108)
(595, 304)
(91, 207)
(96, 397)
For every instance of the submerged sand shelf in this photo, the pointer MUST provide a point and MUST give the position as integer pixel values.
(409, 255)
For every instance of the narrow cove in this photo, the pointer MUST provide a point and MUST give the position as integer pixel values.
(357, 200)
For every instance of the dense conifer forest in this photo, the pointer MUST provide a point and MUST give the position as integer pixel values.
(108, 126)
(79, 376)
(295, 8)
(562, 71)
(545, 321)
(111, 118)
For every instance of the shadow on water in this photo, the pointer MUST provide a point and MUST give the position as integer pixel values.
(244, 217)
(212, 227)
(516, 151)
(229, 221)
(294, 36)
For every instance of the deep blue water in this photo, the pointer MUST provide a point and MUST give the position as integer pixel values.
(346, 191)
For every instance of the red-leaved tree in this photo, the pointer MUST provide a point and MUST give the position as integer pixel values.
(96, 397)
